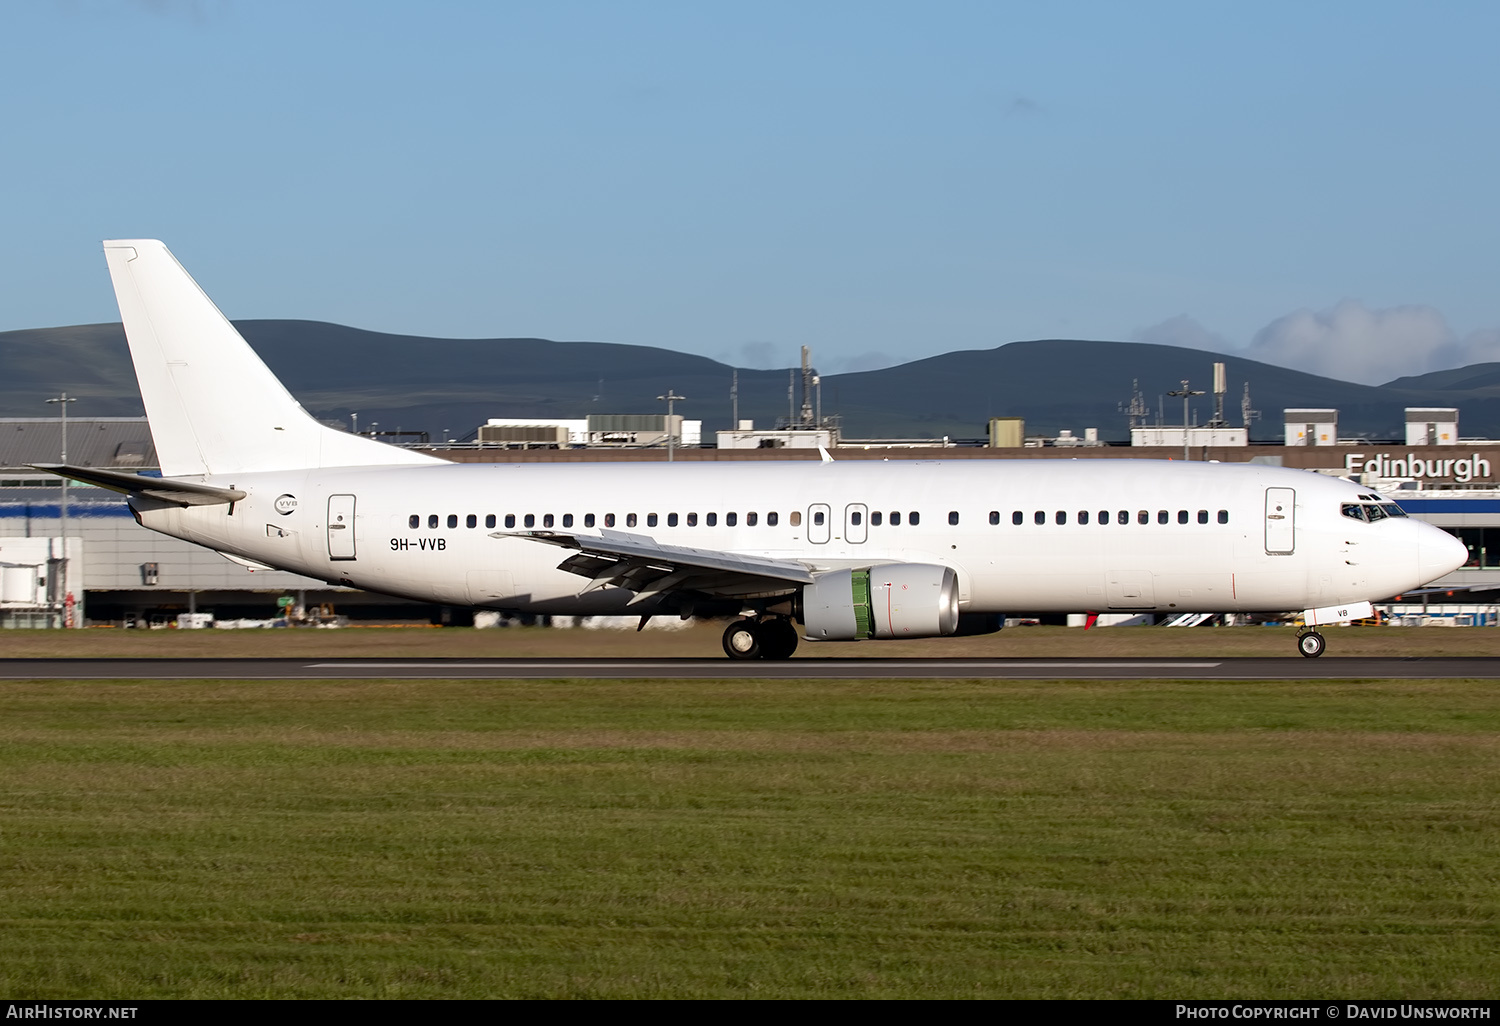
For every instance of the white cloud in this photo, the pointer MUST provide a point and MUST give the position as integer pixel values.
(1351, 342)
(1476, 347)
(1348, 341)
(1183, 331)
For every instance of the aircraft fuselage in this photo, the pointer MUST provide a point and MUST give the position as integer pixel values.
(1093, 534)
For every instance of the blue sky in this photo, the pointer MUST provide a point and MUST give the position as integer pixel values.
(1313, 184)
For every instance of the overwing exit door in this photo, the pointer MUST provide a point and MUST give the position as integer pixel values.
(341, 527)
(819, 525)
(855, 530)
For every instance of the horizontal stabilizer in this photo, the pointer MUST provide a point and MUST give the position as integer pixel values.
(183, 493)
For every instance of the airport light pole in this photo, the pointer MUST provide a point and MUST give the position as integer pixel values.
(670, 399)
(62, 402)
(1186, 394)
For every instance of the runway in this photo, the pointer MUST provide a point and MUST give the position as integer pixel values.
(1327, 668)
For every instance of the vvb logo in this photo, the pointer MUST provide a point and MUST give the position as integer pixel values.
(284, 504)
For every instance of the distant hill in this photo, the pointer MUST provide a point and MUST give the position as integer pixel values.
(1477, 379)
(428, 384)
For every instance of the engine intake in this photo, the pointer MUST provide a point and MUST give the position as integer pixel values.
(893, 600)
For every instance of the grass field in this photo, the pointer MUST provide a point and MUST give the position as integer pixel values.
(797, 839)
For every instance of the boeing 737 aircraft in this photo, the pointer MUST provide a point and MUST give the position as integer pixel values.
(846, 550)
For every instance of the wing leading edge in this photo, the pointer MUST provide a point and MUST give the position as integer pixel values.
(641, 565)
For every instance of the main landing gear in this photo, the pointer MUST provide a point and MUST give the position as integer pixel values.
(1310, 644)
(775, 638)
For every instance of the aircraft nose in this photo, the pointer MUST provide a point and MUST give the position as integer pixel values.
(1439, 553)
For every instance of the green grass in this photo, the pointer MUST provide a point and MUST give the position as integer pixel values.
(697, 839)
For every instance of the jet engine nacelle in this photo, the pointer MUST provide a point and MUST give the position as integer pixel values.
(893, 600)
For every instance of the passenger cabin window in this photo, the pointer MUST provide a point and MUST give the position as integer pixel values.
(510, 520)
(489, 520)
(671, 519)
(913, 518)
(994, 516)
(530, 520)
(1143, 517)
(1104, 516)
(795, 518)
(818, 518)
(1162, 516)
(588, 520)
(953, 516)
(692, 520)
(855, 517)
(471, 521)
(629, 519)
(609, 520)
(1061, 517)
(432, 521)
(1223, 516)
(567, 520)
(771, 519)
(1203, 516)
(1182, 516)
(546, 519)
(1083, 516)
(751, 518)
(730, 519)
(1123, 516)
(876, 517)
(1017, 517)
(414, 521)
(650, 519)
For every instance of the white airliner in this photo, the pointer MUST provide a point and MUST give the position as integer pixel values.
(846, 549)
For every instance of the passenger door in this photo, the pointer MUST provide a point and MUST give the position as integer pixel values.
(1281, 527)
(341, 527)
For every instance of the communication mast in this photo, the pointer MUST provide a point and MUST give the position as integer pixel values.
(1220, 387)
(808, 419)
(1136, 409)
(1246, 413)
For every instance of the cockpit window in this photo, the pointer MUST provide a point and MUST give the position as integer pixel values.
(1393, 510)
(1375, 513)
(1352, 510)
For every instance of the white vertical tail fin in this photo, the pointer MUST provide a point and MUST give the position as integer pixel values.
(214, 407)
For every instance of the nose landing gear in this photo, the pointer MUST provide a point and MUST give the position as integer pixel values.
(1310, 644)
(775, 638)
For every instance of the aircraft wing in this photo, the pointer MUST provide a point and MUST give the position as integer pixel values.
(183, 493)
(639, 563)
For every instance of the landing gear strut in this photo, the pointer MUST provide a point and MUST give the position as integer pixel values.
(1310, 644)
(760, 639)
